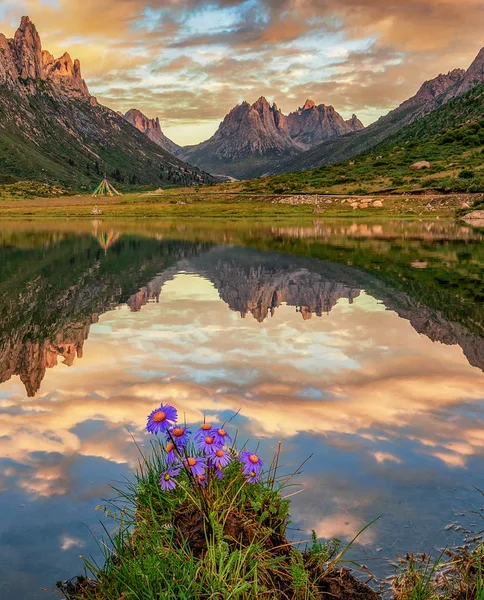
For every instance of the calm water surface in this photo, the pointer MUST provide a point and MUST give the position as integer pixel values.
(362, 344)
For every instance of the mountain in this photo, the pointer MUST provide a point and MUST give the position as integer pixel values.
(431, 95)
(53, 130)
(450, 137)
(152, 128)
(253, 136)
(311, 124)
(249, 138)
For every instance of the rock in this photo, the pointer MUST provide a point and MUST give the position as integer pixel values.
(151, 127)
(354, 205)
(28, 50)
(377, 204)
(423, 164)
(318, 210)
(363, 205)
(96, 211)
(475, 218)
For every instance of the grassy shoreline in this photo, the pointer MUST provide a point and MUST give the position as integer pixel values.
(213, 204)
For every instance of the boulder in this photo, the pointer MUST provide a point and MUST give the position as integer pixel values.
(377, 204)
(423, 164)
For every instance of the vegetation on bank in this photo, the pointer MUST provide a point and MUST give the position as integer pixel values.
(202, 520)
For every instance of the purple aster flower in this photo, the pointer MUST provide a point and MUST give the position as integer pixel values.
(167, 479)
(197, 465)
(220, 459)
(221, 437)
(252, 477)
(218, 473)
(208, 444)
(204, 430)
(251, 462)
(179, 435)
(171, 455)
(162, 418)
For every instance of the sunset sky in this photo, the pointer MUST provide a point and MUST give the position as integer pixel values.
(190, 61)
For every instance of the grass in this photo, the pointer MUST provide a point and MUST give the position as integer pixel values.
(220, 202)
(223, 541)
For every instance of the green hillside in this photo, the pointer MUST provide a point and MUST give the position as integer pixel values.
(71, 143)
(451, 139)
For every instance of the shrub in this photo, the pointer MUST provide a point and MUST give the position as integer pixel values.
(466, 174)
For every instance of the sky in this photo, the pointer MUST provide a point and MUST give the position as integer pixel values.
(190, 61)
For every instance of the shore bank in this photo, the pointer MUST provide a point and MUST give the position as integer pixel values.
(189, 203)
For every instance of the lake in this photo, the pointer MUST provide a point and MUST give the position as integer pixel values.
(361, 344)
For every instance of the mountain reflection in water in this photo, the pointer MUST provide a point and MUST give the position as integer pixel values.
(335, 352)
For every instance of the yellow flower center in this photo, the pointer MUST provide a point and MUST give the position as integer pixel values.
(254, 459)
(178, 431)
(159, 416)
(219, 453)
(191, 462)
(252, 474)
(206, 427)
(167, 477)
(222, 432)
(209, 439)
(170, 446)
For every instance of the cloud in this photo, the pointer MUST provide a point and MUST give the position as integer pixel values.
(190, 61)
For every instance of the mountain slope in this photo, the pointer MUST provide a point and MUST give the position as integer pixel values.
(152, 128)
(451, 139)
(52, 130)
(430, 96)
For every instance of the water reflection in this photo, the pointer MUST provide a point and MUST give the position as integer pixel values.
(376, 367)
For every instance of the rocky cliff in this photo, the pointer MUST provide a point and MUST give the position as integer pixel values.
(152, 128)
(52, 130)
(311, 124)
(23, 64)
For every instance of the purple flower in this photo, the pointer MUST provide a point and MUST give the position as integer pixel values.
(171, 455)
(251, 462)
(162, 418)
(197, 465)
(204, 430)
(167, 479)
(218, 473)
(208, 444)
(220, 459)
(252, 477)
(221, 437)
(179, 435)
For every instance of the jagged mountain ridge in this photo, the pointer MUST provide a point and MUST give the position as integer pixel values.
(431, 95)
(53, 130)
(252, 136)
(152, 128)
(311, 124)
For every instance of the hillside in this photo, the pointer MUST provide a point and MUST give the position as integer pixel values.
(451, 138)
(52, 130)
(431, 95)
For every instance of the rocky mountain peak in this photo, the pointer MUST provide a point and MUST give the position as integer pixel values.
(308, 104)
(151, 128)
(23, 58)
(470, 78)
(313, 124)
(28, 50)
